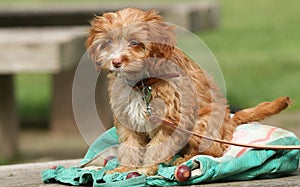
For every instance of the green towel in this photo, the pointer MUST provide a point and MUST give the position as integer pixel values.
(238, 163)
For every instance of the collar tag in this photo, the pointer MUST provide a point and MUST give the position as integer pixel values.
(147, 95)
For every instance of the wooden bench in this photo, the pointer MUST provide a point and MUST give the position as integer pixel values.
(55, 50)
(192, 15)
(40, 47)
(29, 175)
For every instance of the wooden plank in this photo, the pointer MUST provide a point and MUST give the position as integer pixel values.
(44, 49)
(62, 119)
(28, 175)
(102, 101)
(8, 119)
(49, 14)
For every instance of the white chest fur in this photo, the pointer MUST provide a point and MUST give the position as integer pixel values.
(136, 108)
(133, 112)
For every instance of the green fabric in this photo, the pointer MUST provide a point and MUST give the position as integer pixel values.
(237, 163)
(107, 139)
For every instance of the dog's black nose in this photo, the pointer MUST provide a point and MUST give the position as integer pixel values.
(117, 62)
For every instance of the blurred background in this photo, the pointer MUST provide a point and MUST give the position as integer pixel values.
(257, 45)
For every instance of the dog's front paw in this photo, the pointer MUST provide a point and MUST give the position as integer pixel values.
(120, 169)
(148, 170)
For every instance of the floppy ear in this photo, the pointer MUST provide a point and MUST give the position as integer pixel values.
(91, 49)
(97, 24)
(90, 39)
(160, 35)
(94, 30)
(162, 39)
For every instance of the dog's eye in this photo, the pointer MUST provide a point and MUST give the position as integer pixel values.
(107, 43)
(133, 43)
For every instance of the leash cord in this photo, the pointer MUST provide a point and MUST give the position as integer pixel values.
(273, 147)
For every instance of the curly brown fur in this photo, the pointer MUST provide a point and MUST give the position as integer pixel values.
(134, 44)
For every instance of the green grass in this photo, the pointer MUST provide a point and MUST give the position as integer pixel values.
(91, 1)
(33, 93)
(257, 46)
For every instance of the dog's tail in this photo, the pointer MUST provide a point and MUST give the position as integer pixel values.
(261, 111)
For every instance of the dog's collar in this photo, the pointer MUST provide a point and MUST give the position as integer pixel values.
(149, 81)
(145, 86)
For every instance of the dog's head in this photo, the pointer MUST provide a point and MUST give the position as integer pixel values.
(121, 41)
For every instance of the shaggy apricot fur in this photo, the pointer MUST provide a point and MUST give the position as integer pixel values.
(133, 44)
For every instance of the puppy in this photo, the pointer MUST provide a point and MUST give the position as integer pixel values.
(149, 76)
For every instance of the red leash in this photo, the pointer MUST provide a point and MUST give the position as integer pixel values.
(172, 125)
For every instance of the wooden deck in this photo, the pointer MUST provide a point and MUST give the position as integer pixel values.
(29, 175)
